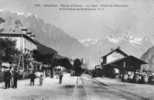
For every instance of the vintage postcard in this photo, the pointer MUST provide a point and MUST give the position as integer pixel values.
(76, 49)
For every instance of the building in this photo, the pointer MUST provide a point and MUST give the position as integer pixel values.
(24, 43)
(113, 55)
(118, 59)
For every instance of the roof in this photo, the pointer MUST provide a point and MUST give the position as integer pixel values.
(116, 50)
(57, 56)
(133, 62)
(18, 35)
(42, 48)
(45, 50)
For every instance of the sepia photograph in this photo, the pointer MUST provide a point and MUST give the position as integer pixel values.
(76, 49)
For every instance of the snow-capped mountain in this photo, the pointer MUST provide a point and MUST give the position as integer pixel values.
(88, 42)
(89, 48)
(130, 44)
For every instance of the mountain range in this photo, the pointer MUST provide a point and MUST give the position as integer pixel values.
(135, 46)
(65, 45)
(45, 33)
(148, 56)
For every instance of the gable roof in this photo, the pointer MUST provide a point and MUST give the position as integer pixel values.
(18, 35)
(118, 50)
(134, 63)
(42, 48)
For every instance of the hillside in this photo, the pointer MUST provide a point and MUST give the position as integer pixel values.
(65, 45)
(46, 34)
(45, 50)
(148, 56)
(135, 46)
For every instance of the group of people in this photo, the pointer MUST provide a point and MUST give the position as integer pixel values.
(32, 79)
(10, 78)
(59, 73)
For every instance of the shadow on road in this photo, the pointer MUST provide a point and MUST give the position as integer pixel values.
(72, 86)
(69, 86)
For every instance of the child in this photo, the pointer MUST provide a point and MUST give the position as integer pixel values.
(41, 79)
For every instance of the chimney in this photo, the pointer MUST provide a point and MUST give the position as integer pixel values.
(24, 30)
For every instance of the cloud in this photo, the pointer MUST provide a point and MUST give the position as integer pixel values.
(127, 37)
(114, 39)
(136, 40)
(89, 41)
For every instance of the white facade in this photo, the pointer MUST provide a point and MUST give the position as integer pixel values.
(23, 44)
(114, 56)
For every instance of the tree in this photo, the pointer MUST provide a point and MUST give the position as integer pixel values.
(8, 52)
(65, 62)
(77, 67)
(45, 58)
(1, 20)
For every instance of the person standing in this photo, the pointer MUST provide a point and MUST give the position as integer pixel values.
(60, 76)
(15, 79)
(32, 78)
(41, 80)
(11, 80)
(7, 78)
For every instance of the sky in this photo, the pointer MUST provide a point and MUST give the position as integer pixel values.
(137, 18)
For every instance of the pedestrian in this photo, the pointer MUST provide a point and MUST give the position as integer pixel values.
(41, 80)
(7, 78)
(60, 77)
(11, 80)
(15, 78)
(32, 79)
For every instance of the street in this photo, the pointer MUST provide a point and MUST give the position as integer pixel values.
(86, 89)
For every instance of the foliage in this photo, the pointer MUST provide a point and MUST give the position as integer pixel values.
(2, 20)
(65, 62)
(77, 67)
(8, 52)
(45, 58)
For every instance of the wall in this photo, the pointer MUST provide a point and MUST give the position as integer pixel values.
(113, 57)
(22, 44)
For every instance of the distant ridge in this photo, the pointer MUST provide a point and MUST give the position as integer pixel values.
(148, 56)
